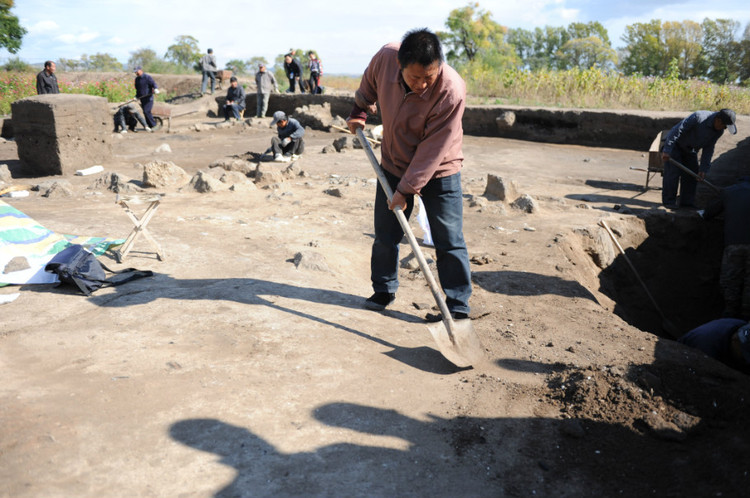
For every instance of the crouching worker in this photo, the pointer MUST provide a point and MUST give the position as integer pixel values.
(725, 339)
(127, 116)
(289, 145)
(235, 103)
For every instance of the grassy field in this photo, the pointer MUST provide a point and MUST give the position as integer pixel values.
(576, 88)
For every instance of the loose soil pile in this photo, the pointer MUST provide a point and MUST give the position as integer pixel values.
(239, 370)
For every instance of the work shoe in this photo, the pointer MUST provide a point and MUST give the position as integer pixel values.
(123, 131)
(379, 300)
(296, 156)
(278, 158)
(438, 317)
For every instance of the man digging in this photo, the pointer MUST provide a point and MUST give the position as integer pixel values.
(422, 102)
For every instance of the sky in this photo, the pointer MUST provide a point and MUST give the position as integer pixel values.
(345, 34)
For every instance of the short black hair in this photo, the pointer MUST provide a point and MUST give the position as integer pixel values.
(210, 51)
(420, 46)
(48, 64)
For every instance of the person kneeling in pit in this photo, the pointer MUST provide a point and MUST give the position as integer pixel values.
(289, 145)
(127, 116)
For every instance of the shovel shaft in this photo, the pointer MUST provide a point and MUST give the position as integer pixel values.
(694, 175)
(447, 318)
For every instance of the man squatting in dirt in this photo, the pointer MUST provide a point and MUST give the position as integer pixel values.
(422, 102)
(698, 131)
(289, 145)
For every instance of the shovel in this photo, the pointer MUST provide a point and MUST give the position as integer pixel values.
(457, 341)
(692, 173)
(668, 326)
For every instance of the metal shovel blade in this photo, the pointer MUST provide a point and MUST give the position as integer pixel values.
(464, 350)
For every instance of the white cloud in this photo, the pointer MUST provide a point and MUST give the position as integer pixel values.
(72, 39)
(42, 27)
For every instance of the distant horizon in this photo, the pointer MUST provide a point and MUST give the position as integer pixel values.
(345, 36)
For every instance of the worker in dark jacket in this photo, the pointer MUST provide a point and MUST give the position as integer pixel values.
(145, 89)
(699, 131)
(46, 81)
(289, 145)
(734, 280)
(293, 70)
(235, 102)
(725, 339)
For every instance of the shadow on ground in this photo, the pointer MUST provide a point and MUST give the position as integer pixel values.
(696, 446)
(520, 283)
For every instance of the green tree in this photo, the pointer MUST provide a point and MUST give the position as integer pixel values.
(586, 53)
(143, 57)
(103, 63)
(184, 52)
(472, 33)
(15, 64)
(237, 66)
(720, 47)
(11, 32)
(644, 52)
(587, 46)
(64, 64)
(253, 62)
(548, 42)
(743, 57)
(682, 41)
(522, 41)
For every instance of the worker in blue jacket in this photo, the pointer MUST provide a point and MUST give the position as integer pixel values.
(699, 131)
(145, 89)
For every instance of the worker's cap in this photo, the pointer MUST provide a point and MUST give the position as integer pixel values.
(728, 117)
(278, 116)
(137, 68)
(744, 335)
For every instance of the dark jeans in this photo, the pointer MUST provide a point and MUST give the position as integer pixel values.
(232, 110)
(148, 103)
(204, 80)
(443, 202)
(124, 119)
(294, 147)
(674, 176)
(314, 80)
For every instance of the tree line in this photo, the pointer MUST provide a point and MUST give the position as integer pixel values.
(712, 50)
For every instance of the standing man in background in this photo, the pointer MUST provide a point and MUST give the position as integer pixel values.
(699, 131)
(208, 67)
(422, 102)
(265, 81)
(145, 89)
(46, 81)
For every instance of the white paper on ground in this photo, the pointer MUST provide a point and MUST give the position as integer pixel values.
(90, 171)
(9, 298)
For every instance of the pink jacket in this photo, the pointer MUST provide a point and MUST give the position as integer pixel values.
(422, 133)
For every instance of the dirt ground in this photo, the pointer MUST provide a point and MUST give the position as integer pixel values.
(234, 373)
